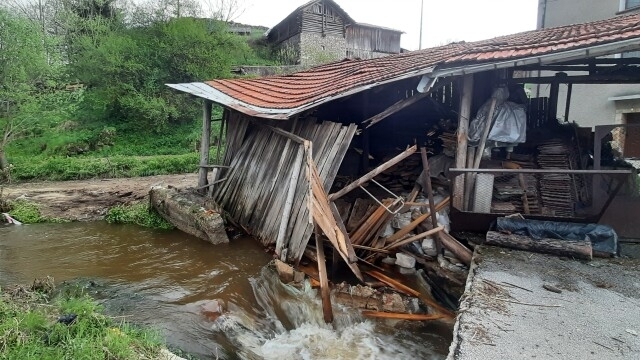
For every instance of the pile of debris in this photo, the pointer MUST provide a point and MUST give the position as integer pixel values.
(391, 242)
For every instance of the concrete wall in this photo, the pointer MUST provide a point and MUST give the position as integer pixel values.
(590, 104)
(316, 49)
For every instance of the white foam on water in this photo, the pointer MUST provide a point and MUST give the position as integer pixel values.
(290, 325)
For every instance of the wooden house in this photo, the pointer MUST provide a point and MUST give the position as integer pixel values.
(320, 32)
(298, 144)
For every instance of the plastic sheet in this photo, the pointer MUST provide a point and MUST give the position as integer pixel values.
(509, 120)
(603, 238)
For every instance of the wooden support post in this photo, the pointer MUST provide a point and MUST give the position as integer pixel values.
(477, 157)
(366, 150)
(468, 183)
(325, 292)
(553, 100)
(579, 249)
(567, 105)
(462, 139)
(429, 190)
(205, 144)
(373, 173)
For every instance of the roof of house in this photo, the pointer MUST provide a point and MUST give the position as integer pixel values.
(284, 96)
(347, 18)
(361, 24)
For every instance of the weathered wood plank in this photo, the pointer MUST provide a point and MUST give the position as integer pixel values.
(373, 173)
(462, 140)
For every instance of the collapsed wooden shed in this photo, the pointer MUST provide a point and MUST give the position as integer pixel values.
(343, 117)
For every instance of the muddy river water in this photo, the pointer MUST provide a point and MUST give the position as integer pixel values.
(166, 280)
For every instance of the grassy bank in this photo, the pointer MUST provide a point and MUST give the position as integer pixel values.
(36, 324)
(69, 151)
(140, 214)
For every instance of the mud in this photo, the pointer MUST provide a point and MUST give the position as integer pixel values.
(89, 200)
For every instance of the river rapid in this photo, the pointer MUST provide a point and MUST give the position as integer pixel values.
(169, 281)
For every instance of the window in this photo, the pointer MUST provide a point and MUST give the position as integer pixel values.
(630, 4)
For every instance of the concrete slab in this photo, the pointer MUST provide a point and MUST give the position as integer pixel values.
(506, 313)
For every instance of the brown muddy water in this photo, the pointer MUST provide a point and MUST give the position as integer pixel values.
(164, 279)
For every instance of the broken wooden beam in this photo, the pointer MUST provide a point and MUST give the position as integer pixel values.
(373, 173)
(325, 291)
(414, 224)
(429, 190)
(401, 316)
(423, 235)
(399, 105)
(581, 249)
(427, 300)
(460, 251)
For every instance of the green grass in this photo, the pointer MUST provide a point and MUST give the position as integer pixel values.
(29, 213)
(140, 214)
(68, 151)
(29, 329)
(69, 168)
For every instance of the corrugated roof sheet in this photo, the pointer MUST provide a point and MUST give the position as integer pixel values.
(300, 90)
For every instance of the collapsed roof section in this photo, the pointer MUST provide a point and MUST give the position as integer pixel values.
(280, 97)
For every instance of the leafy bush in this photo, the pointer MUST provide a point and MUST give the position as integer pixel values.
(140, 214)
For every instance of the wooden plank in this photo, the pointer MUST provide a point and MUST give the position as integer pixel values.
(286, 211)
(413, 238)
(362, 208)
(205, 143)
(429, 190)
(462, 139)
(373, 173)
(327, 218)
(409, 291)
(397, 106)
(403, 316)
(414, 224)
(460, 251)
(325, 291)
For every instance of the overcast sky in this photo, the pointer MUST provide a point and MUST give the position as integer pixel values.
(444, 20)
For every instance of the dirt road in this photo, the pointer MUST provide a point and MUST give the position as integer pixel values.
(87, 200)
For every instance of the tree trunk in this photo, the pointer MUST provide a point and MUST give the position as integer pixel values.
(578, 249)
(4, 164)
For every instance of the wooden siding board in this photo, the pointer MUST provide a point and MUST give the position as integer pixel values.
(261, 169)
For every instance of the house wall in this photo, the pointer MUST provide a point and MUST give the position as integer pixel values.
(368, 42)
(316, 49)
(590, 104)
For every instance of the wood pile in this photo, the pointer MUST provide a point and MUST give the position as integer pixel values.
(401, 177)
(557, 191)
(449, 142)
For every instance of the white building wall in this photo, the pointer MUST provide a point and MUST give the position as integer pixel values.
(590, 104)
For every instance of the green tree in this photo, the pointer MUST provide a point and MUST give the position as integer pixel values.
(24, 71)
(126, 70)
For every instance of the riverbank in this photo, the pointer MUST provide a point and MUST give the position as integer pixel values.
(89, 200)
(40, 322)
(521, 305)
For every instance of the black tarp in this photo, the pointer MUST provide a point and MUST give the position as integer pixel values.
(603, 238)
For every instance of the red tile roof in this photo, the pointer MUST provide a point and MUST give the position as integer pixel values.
(300, 89)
